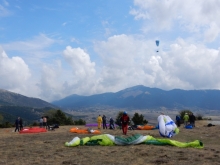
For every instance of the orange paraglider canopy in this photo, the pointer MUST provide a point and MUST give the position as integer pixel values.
(84, 131)
(146, 127)
(33, 130)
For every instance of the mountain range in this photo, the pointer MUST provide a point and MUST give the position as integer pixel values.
(141, 97)
(137, 97)
(15, 99)
(29, 109)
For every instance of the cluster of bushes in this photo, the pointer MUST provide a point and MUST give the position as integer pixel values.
(137, 119)
(6, 125)
(198, 116)
(53, 116)
(58, 117)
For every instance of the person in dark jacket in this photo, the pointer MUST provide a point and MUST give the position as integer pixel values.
(118, 122)
(124, 123)
(17, 124)
(104, 122)
(178, 120)
(192, 119)
(111, 124)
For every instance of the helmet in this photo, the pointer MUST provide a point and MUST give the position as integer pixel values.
(125, 113)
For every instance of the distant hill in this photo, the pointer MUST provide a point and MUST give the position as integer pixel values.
(28, 114)
(13, 105)
(141, 97)
(10, 98)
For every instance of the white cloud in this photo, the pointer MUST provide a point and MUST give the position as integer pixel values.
(39, 42)
(129, 61)
(193, 65)
(50, 83)
(77, 76)
(191, 15)
(125, 59)
(212, 33)
(80, 62)
(120, 61)
(14, 72)
(33, 57)
(33, 51)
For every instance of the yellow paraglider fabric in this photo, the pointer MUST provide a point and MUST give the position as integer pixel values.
(110, 140)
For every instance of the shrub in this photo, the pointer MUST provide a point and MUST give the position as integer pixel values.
(117, 121)
(182, 113)
(6, 125)
(35, 124)
(199, 117)
(139, 119)
(58, 117)
(79, 122)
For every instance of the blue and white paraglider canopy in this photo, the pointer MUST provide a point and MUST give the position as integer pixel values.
(157, 43)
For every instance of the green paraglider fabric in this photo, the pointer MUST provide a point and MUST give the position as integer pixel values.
(84, 141)
(194, 144)
(103, 140)
(134, 139)
(110, 140)
(155, 142)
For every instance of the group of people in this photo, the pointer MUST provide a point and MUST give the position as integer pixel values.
(43, 122)
(18, 124)
(102, 121)
(187, 119)
(124, 121)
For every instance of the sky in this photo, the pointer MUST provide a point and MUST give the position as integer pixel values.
(52, 49)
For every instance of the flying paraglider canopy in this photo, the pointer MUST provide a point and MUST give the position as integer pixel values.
(157, 42)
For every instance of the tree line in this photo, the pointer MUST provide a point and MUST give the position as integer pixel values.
(60, 118)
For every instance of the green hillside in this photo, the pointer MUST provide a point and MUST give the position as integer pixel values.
(29, 109)
(28, 114)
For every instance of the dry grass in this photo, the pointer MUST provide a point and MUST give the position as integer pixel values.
(48, 148)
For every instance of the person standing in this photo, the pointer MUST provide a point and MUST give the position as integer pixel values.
(186, 119)
(192, 119)
(45, 122)
(178, 120)
(104, 122)
(124, 122)
(41, 122)
(21, 123)
(17, 124)
(111, 124)
(99, 120)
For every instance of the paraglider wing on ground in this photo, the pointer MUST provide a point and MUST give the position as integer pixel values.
(110, 140)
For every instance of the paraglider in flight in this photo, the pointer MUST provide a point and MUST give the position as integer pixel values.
(157, 43)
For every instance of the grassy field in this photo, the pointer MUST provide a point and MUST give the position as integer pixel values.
(48, 148)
